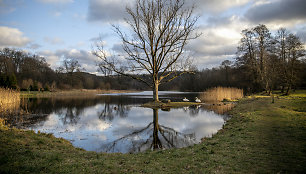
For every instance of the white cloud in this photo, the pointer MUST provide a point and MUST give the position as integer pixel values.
(217, 6)
(51, 58)
(55, 1)
(107, 10)
(114, 10)
(278, 13)
(85, 58)
(218, 41)
(220, 37)
(12, 37)
(211, 61)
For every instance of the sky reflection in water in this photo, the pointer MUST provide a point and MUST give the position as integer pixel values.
(108, 126)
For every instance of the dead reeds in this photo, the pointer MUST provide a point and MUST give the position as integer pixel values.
(221, 94)
(9, 101)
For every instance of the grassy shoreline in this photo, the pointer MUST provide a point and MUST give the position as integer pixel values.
(261, 137)
(156, 105)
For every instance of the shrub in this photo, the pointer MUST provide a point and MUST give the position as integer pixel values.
(46, 88)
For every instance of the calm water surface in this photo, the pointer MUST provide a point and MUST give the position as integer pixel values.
(116, 123)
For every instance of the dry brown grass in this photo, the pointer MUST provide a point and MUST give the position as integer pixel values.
(221, 93)
(9, 100)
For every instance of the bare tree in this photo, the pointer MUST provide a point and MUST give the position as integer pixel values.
(246, 56)
(160, 30)
(296, 51)
(289, 49)
(253, 52)
(282, 52)
(263, 37)
(226, 65)
(69, 66)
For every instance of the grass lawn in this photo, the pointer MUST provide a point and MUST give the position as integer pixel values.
(261, 137)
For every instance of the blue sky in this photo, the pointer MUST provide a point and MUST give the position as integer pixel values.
(68, 28)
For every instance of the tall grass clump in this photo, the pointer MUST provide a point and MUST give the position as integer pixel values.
(9, 101)
(221, 94)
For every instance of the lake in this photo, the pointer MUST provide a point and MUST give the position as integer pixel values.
(116, 122)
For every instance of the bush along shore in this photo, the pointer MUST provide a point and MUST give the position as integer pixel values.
(261, 137)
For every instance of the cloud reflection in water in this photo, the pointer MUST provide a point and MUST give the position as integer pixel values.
(114, 124)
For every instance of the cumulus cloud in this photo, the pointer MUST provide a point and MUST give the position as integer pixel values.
(218, 41)
(211, 61)
(286, 12)
(12, 37)
(85, 58)
(114, 10)
(221, 23)
(216, 6)
(107, 10)
(55, 1)
(51, 58)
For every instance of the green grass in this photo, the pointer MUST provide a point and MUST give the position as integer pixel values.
(261, 137)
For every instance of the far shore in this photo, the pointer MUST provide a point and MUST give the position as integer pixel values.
(71, 93)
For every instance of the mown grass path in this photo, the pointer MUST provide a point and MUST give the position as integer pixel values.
(261, 137)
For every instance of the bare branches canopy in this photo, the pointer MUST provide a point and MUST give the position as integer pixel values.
(270, 60)
(160, 31)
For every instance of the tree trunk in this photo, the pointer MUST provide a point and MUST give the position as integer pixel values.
(155, 92)
(288, 90)
(283, 89)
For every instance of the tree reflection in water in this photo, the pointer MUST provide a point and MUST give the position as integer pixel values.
(219, 108)
(110, 111)
(71, 116)
(153, 136)
(117, 124)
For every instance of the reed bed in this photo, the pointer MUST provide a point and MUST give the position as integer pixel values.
(9, 101)
(221, 94)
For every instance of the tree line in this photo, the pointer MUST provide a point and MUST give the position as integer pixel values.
(29, 72)
(271, 61)
(264, 62)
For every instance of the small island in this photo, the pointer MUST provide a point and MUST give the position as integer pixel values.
(164, 105)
